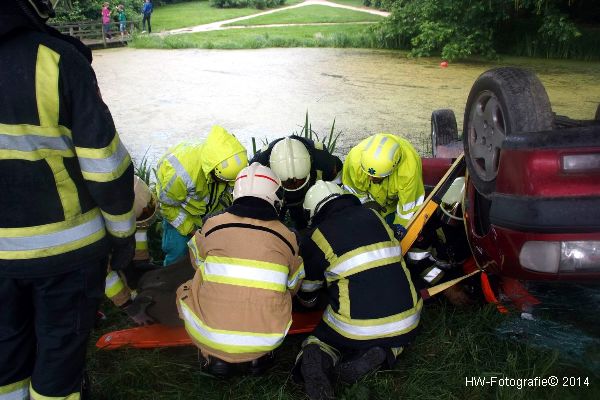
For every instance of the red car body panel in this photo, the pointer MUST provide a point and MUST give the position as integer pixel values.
(535, 199)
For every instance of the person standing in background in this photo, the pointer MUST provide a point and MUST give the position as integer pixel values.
(122, 20)
(147, 9)
(106, 20)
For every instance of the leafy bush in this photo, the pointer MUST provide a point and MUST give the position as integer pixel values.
(259, 4)
(81, 10)
(458, 29)
(452, 28)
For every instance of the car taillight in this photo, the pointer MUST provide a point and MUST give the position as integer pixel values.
(576, 163)
(554, 257)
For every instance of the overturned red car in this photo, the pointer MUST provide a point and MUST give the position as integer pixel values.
(531, 203)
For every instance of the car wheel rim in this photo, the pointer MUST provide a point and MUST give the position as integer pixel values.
(486, 132)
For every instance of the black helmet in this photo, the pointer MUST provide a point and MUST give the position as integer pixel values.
(43, 8)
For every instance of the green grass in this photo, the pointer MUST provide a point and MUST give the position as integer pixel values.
(310, 14)
(347, 35)
(453, 344)
(192, 13)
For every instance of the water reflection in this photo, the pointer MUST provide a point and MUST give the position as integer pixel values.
(160, 97)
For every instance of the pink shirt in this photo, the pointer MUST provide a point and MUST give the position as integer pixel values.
(105, 15)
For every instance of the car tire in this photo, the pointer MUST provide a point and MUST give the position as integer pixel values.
(443, 129)
(501, 102)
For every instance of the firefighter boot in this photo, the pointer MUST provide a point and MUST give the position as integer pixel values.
(352, 370)
(316, 370)
(262, 364)
(216, 367)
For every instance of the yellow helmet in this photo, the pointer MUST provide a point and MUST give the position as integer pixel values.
(380, 156)
(228, 169)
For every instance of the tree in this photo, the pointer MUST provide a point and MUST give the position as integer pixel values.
(457, 29)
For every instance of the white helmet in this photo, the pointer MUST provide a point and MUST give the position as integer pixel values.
(320, 194)
(290, 160)
(259, 181)
(143, 196)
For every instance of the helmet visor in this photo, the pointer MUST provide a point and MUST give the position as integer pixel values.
(294, 184)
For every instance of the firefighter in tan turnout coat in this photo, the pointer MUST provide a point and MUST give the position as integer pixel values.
(238, 307)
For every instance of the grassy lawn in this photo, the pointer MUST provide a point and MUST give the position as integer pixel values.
(346, 35)
(453, 344)
(194, 13)
(310, 14)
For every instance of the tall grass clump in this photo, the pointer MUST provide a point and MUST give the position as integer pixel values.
(144, 170)
(329, 139)
(340, 36)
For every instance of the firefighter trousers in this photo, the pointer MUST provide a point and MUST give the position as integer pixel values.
(45, 325)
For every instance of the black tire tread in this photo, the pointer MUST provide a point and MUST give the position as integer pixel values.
(444, 121)
(525, 103)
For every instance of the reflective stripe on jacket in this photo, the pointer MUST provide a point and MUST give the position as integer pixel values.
(402, 192)
(116, 289)
(238, 306)
(371, 294)
(185, 188)
(65, 177)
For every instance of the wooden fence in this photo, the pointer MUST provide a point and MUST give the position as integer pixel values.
(91, 33)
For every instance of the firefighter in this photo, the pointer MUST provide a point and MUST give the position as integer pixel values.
(120, 285)
(238, 307)
(67, 204)
(384, 172)
(373, 309)
(194, 180)
(299, 162)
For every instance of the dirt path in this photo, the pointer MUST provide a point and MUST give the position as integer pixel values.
(219, 25)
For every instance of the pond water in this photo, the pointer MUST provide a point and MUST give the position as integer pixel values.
(161, 97)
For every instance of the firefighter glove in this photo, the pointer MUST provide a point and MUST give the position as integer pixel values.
(122, 252)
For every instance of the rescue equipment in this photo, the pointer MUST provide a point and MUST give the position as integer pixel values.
(157, 335)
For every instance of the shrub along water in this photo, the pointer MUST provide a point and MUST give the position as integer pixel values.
(260, 4)
(459, 29)
(343, 35)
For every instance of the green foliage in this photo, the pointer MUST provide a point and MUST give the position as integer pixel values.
(142, 169)
(259, 4)
(454, 29)
(329, 139)
(373, 3)
(457, 29)
(81, 10)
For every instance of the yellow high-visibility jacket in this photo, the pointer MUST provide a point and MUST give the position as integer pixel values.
(186, 189)
(402, 191)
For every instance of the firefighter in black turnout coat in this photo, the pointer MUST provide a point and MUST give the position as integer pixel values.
(373, 309)
(66, 204)
(298, 162)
